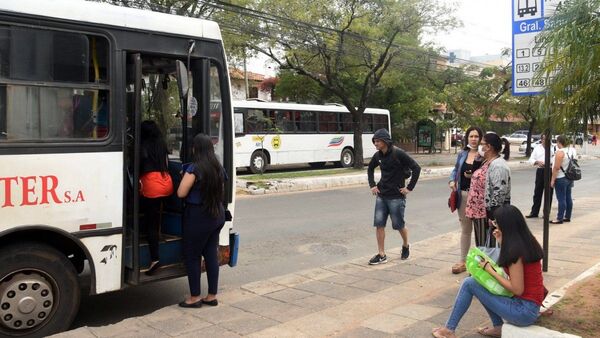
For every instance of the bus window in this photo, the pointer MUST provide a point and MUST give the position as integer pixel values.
(284, 122)
(31, 113)
(238, 121)
(328, 122)
(306, 121)
(256, 121)
(346, 122)
(52, 111)
(380, 121)
(367, 123)
(216, 110)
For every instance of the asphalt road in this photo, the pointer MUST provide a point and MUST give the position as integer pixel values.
(284, 233)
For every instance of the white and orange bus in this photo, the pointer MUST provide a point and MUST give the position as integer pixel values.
(73, 91)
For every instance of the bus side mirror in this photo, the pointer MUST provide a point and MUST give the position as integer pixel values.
(182, 79)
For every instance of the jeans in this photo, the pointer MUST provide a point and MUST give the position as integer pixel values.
(514, 310)
(563, 187)
(389, 207)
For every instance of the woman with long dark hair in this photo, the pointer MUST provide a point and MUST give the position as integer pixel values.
(467, 162)
(155, 184)
(520, 257)
(561, 184)
(202, 187)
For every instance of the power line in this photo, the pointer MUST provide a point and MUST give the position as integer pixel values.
(282, 21)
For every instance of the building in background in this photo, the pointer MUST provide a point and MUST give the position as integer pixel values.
(238, 86)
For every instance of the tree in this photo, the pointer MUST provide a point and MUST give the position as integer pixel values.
(345, 46)
(572, 39)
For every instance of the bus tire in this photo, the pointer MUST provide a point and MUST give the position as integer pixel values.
(39, 291)
(347, 158)
(317, 165)
(258, 162)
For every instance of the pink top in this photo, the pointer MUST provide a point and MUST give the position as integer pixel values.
(476, 198)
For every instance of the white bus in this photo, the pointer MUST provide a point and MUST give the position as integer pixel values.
(271, 133)
(76, 81)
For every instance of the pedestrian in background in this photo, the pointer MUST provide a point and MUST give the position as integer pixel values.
(467, 162)
(202, 186)
(538, 160)
(391, 192)
(560, 183)
(155, 185)
(520, 257)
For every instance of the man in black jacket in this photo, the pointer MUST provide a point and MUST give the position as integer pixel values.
(395, 166)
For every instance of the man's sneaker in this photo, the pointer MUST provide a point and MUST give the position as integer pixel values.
(405, 252)
(378, 259)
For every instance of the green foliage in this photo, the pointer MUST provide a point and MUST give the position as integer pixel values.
(573, 39)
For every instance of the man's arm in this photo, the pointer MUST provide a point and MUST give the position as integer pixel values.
(371, 169)
(414, 167)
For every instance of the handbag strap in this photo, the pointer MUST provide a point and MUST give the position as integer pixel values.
(488, 239)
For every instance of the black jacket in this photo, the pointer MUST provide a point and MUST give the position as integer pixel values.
(395, 165)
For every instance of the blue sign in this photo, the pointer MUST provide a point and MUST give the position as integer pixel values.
(528, 20)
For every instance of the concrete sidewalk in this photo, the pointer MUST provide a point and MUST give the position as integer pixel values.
(397, 299)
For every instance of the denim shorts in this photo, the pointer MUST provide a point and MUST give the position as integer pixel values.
(392, 207)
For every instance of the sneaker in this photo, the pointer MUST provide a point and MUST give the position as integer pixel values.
(378, 259)
(405, 252)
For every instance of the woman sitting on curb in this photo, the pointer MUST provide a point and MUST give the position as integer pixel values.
(520, 256)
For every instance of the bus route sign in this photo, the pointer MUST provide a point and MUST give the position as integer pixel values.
(528, 19)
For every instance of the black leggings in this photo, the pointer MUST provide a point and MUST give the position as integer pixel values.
(201, 238)
(152, 218)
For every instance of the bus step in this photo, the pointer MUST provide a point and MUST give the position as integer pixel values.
(170, 251)
(164, 273)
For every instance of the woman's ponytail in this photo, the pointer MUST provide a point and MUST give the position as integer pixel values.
(505, 148)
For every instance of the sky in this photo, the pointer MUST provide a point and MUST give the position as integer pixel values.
(486, 27)
(486, 30)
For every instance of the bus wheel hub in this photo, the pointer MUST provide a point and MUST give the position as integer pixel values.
(25, 301)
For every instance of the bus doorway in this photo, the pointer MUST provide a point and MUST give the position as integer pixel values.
(153, 98)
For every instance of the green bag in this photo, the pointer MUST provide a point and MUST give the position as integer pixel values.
(483, 277)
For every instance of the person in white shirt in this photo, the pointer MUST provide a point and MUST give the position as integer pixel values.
(560, 182)
(537, 159)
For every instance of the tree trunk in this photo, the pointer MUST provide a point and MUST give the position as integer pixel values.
(357, 124)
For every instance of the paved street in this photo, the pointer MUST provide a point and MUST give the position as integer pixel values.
(295, 232)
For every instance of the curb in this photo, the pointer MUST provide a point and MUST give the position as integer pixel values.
(324, 182)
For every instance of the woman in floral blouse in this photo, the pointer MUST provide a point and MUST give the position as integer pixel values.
(490, 186)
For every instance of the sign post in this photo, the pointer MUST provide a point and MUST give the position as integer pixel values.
(528, 20)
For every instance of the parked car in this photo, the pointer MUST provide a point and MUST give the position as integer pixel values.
(516, 137)
(534, 144)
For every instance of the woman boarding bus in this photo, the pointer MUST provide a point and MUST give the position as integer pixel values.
(76, 80)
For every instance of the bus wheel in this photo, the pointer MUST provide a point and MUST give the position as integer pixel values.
(317, 165)
(39, 291)
(347, 158)
(258, 162)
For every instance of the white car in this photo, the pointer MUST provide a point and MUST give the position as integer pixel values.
(534, 144)
(516, 138)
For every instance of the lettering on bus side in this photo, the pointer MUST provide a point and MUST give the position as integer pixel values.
(35, 190)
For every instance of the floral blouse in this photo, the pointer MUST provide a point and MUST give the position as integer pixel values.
(476, 198)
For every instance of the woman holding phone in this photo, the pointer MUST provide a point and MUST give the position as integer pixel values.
(467, 162)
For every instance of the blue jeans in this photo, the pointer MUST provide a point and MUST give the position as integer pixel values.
(514, 310)
(563, 187)
(389, 207)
